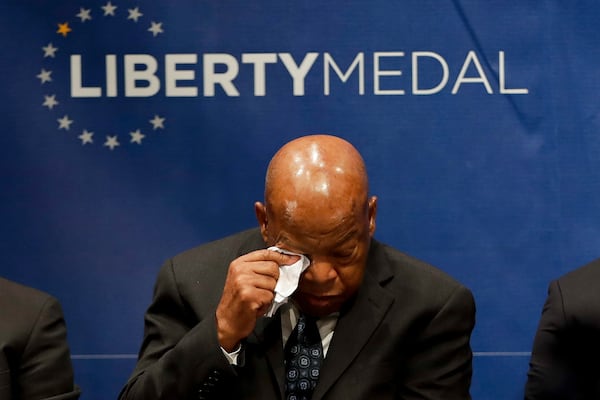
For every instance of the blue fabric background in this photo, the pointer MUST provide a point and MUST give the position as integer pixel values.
(500, 190)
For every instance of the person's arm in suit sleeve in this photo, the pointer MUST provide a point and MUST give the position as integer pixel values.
(546, 376)
(177, 359)
(45, 370)
(440, 365)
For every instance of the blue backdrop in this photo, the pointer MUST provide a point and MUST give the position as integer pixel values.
(134, 130)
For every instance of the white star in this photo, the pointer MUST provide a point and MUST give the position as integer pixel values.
(134, 14)
(109, 9)
(156, 28)
(44, 76)
(50, 50)
(137, 136)
(84, 14)
(157, 122)
(86, 137)
(50, 102)
(64, 123)
(111, 142)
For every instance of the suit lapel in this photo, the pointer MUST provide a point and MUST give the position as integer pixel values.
(355, 327)
(267, 337)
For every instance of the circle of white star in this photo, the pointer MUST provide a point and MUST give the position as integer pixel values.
(137, 136)
(134, 14)
(86, 137)
(84, 14)
(65, 123)
(50, 102)
(157, 122)
(50, 51)
(156, 28)
(111, 142)
(45, 76)
(109, 9)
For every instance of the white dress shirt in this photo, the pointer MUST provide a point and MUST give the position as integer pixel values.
(289, 319)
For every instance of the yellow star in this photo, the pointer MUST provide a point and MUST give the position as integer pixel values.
(63, 29)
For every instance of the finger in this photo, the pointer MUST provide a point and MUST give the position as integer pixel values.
(263, 310)
(262, 282)
(264, 303)
(270, 255)
(265, 268)
(255, 298)
(242, 269)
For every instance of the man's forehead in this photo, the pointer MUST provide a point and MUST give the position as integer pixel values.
(336, 230)
(314, 245)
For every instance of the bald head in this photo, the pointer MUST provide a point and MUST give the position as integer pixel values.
(317, 204)
(323, 172)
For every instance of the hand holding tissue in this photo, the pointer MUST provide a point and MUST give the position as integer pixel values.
(289, 275)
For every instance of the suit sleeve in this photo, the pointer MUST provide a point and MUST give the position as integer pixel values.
(440, 366)
(180, 357)
(45, 369)
(545, 378)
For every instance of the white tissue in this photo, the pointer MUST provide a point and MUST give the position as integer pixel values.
(289, 275)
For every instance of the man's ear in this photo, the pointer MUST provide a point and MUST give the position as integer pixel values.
(372, 214)
(261, 215)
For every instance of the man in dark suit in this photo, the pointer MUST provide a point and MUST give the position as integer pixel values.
(35, 363)
(565, 361)
(390, 326)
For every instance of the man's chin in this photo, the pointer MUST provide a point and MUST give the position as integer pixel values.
(318, 306)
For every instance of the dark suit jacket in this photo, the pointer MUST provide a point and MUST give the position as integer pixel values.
(35, 362)
(405, 336)
(565, 361)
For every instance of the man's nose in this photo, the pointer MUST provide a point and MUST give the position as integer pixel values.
(320, 271)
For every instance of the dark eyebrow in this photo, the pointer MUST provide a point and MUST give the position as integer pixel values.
(283, 240)
(347, 236)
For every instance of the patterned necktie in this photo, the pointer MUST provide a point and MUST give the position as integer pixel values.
(303, 358)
